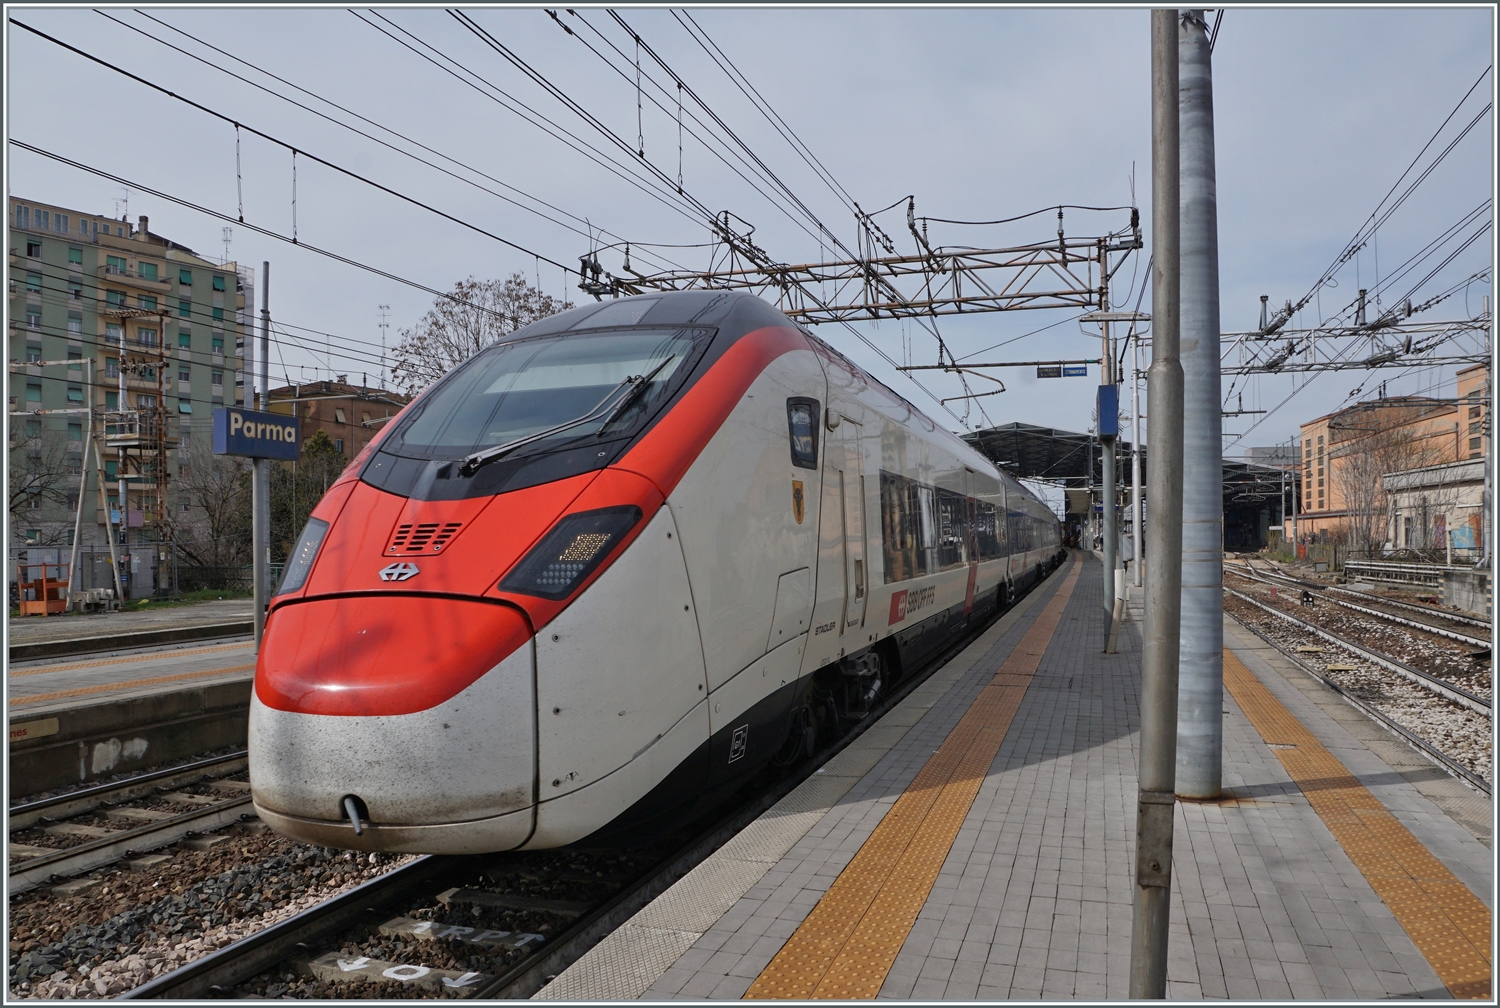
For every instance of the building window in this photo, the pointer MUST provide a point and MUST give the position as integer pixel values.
(338, 416)
(148, 271)
(218, 283)
(33, 249)
(33, 355)
(75, 290)
(74, 355)
(33, 503)
(218, 344)
(365, 419)
(185, 439)
(43, 220)
(145, 302)
(218, 314)
(184, 309)
(216, 378)
(146, 336)
(184, 406)
(33, 428)
(111, 367)
(1476, 426)
(185, 277)
(33, 393)
(34, 282)
(75, 432)
(1320, 484)
(61, 223)
(115, 298)
(338, 444)
(111, 402)
(184, 340)
(23, 216)
(115, 265)
(75, 394)
(1474, 411)
(111, 333)
(143, 401)
(75, 255)
(33, 320)
(75, 324)
(1475, 444)
(183, 374)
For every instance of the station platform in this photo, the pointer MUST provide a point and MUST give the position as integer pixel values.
(34, 686)
(66, 633)
(978, 844)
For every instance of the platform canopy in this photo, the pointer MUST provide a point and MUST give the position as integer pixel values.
(1026, 451)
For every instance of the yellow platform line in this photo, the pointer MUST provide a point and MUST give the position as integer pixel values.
(107, 687)
(846, 946)
(153, 656)
(1449, 924)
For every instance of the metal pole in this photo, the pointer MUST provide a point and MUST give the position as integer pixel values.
(1157, 772)
(83, 484)
(120, 474)
(1200, 691)
(1107, 494)
(1137, 534)
(260, 498)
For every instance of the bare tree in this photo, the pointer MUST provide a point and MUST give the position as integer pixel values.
(478, 314)
(214, 531)
(43, 471)
(1357, 468)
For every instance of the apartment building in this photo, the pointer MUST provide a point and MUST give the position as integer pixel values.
(161, 326)
(349, 414)
(1347, 454)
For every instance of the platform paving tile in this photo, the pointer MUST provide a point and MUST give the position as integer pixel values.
(1034, 898)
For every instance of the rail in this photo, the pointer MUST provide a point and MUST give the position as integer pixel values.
(1442, 687)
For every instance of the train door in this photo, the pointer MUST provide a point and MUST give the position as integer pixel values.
(851, 474)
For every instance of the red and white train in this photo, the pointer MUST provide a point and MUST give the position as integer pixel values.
(611, 567)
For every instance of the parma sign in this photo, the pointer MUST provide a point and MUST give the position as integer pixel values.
(255, 435)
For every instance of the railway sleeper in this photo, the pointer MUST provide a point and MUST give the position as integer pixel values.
(340, 967)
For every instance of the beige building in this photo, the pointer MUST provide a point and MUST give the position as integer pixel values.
(1347, 454)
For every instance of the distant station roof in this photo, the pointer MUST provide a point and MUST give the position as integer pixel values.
(1069, 458)
(1042, 453)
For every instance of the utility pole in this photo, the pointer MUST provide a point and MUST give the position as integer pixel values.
(83, 484)
(1156, 774)
(1137, 534)
(1108, 431)
(384, 325)
(260, 485)
(1200, 690)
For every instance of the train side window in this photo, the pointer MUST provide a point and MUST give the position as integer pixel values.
(802, 428)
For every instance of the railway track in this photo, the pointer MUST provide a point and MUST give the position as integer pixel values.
(1442, 687)
(484, 926)
(1446, 722)
(1416, 741)
(76, 832)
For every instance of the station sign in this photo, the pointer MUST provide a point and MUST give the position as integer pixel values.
(1050, 371)
(252, 434)
(1075, 371)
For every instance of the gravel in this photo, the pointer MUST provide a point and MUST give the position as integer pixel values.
(136, 925)
(1458, 732)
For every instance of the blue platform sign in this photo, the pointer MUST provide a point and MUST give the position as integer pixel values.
(250, 434)
(1075, 371)
(1109, 410)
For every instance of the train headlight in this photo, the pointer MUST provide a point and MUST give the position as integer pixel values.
(299, 564)
(568, 554)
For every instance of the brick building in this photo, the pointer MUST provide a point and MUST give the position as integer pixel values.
(349, 414)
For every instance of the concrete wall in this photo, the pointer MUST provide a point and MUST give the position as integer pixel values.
(1469, 590)
(64, 745)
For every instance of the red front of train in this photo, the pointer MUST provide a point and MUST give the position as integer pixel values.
(396, 697)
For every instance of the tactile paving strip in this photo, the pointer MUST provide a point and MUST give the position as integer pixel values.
(1449, 924)
(846, 946)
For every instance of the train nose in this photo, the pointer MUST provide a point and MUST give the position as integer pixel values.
(421, 709)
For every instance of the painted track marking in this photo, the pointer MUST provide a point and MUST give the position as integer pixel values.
(1449, 924)
(847, 944)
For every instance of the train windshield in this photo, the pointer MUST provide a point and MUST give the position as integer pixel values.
(519, 389)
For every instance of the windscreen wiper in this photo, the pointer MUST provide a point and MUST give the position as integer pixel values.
(632, 386)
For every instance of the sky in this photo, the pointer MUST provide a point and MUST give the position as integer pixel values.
(980, 113)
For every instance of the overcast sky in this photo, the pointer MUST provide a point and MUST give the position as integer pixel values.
(980, 113)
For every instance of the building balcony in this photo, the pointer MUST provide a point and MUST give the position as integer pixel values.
(131, 278)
